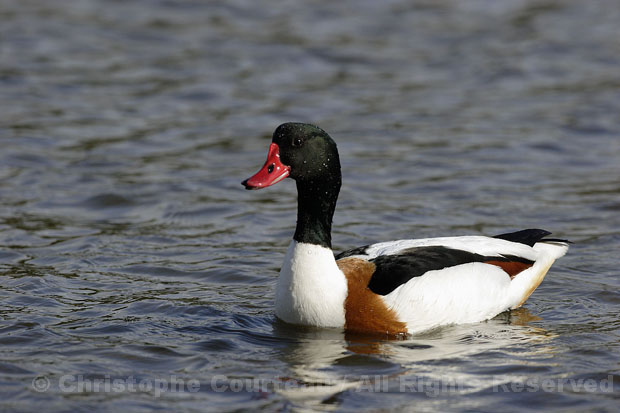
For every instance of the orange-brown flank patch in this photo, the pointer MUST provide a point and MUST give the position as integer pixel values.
(365, 312)
(511, 267)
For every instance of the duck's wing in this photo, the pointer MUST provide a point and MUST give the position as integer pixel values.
(397, 262)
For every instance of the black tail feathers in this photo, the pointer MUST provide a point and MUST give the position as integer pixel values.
(529, 237)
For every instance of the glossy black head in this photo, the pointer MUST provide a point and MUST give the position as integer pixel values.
(309, 155)
(309, 151)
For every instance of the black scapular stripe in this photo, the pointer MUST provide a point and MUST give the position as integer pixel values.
(395, 270)
(351, 252)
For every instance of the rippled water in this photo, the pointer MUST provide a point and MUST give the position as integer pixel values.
(137, 274)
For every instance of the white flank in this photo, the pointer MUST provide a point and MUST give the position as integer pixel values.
(470, 292)
(311, 288)
(464, 293)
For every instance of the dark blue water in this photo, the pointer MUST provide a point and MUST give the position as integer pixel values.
(136, 274)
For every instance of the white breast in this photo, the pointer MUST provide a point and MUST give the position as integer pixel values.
(311, 288)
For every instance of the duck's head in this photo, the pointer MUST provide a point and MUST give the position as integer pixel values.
(301, 151)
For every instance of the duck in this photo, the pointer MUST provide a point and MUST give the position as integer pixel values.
(393, 288)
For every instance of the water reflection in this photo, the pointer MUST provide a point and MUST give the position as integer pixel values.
(326, 362)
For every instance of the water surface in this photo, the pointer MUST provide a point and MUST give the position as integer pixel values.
(137, 274)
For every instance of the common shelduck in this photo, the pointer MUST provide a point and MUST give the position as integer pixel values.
(394, 287)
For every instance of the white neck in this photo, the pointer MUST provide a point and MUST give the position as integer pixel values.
(311, 289)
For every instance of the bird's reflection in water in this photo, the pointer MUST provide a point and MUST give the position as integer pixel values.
(326, 362)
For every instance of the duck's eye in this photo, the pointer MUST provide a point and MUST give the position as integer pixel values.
(297, 142)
